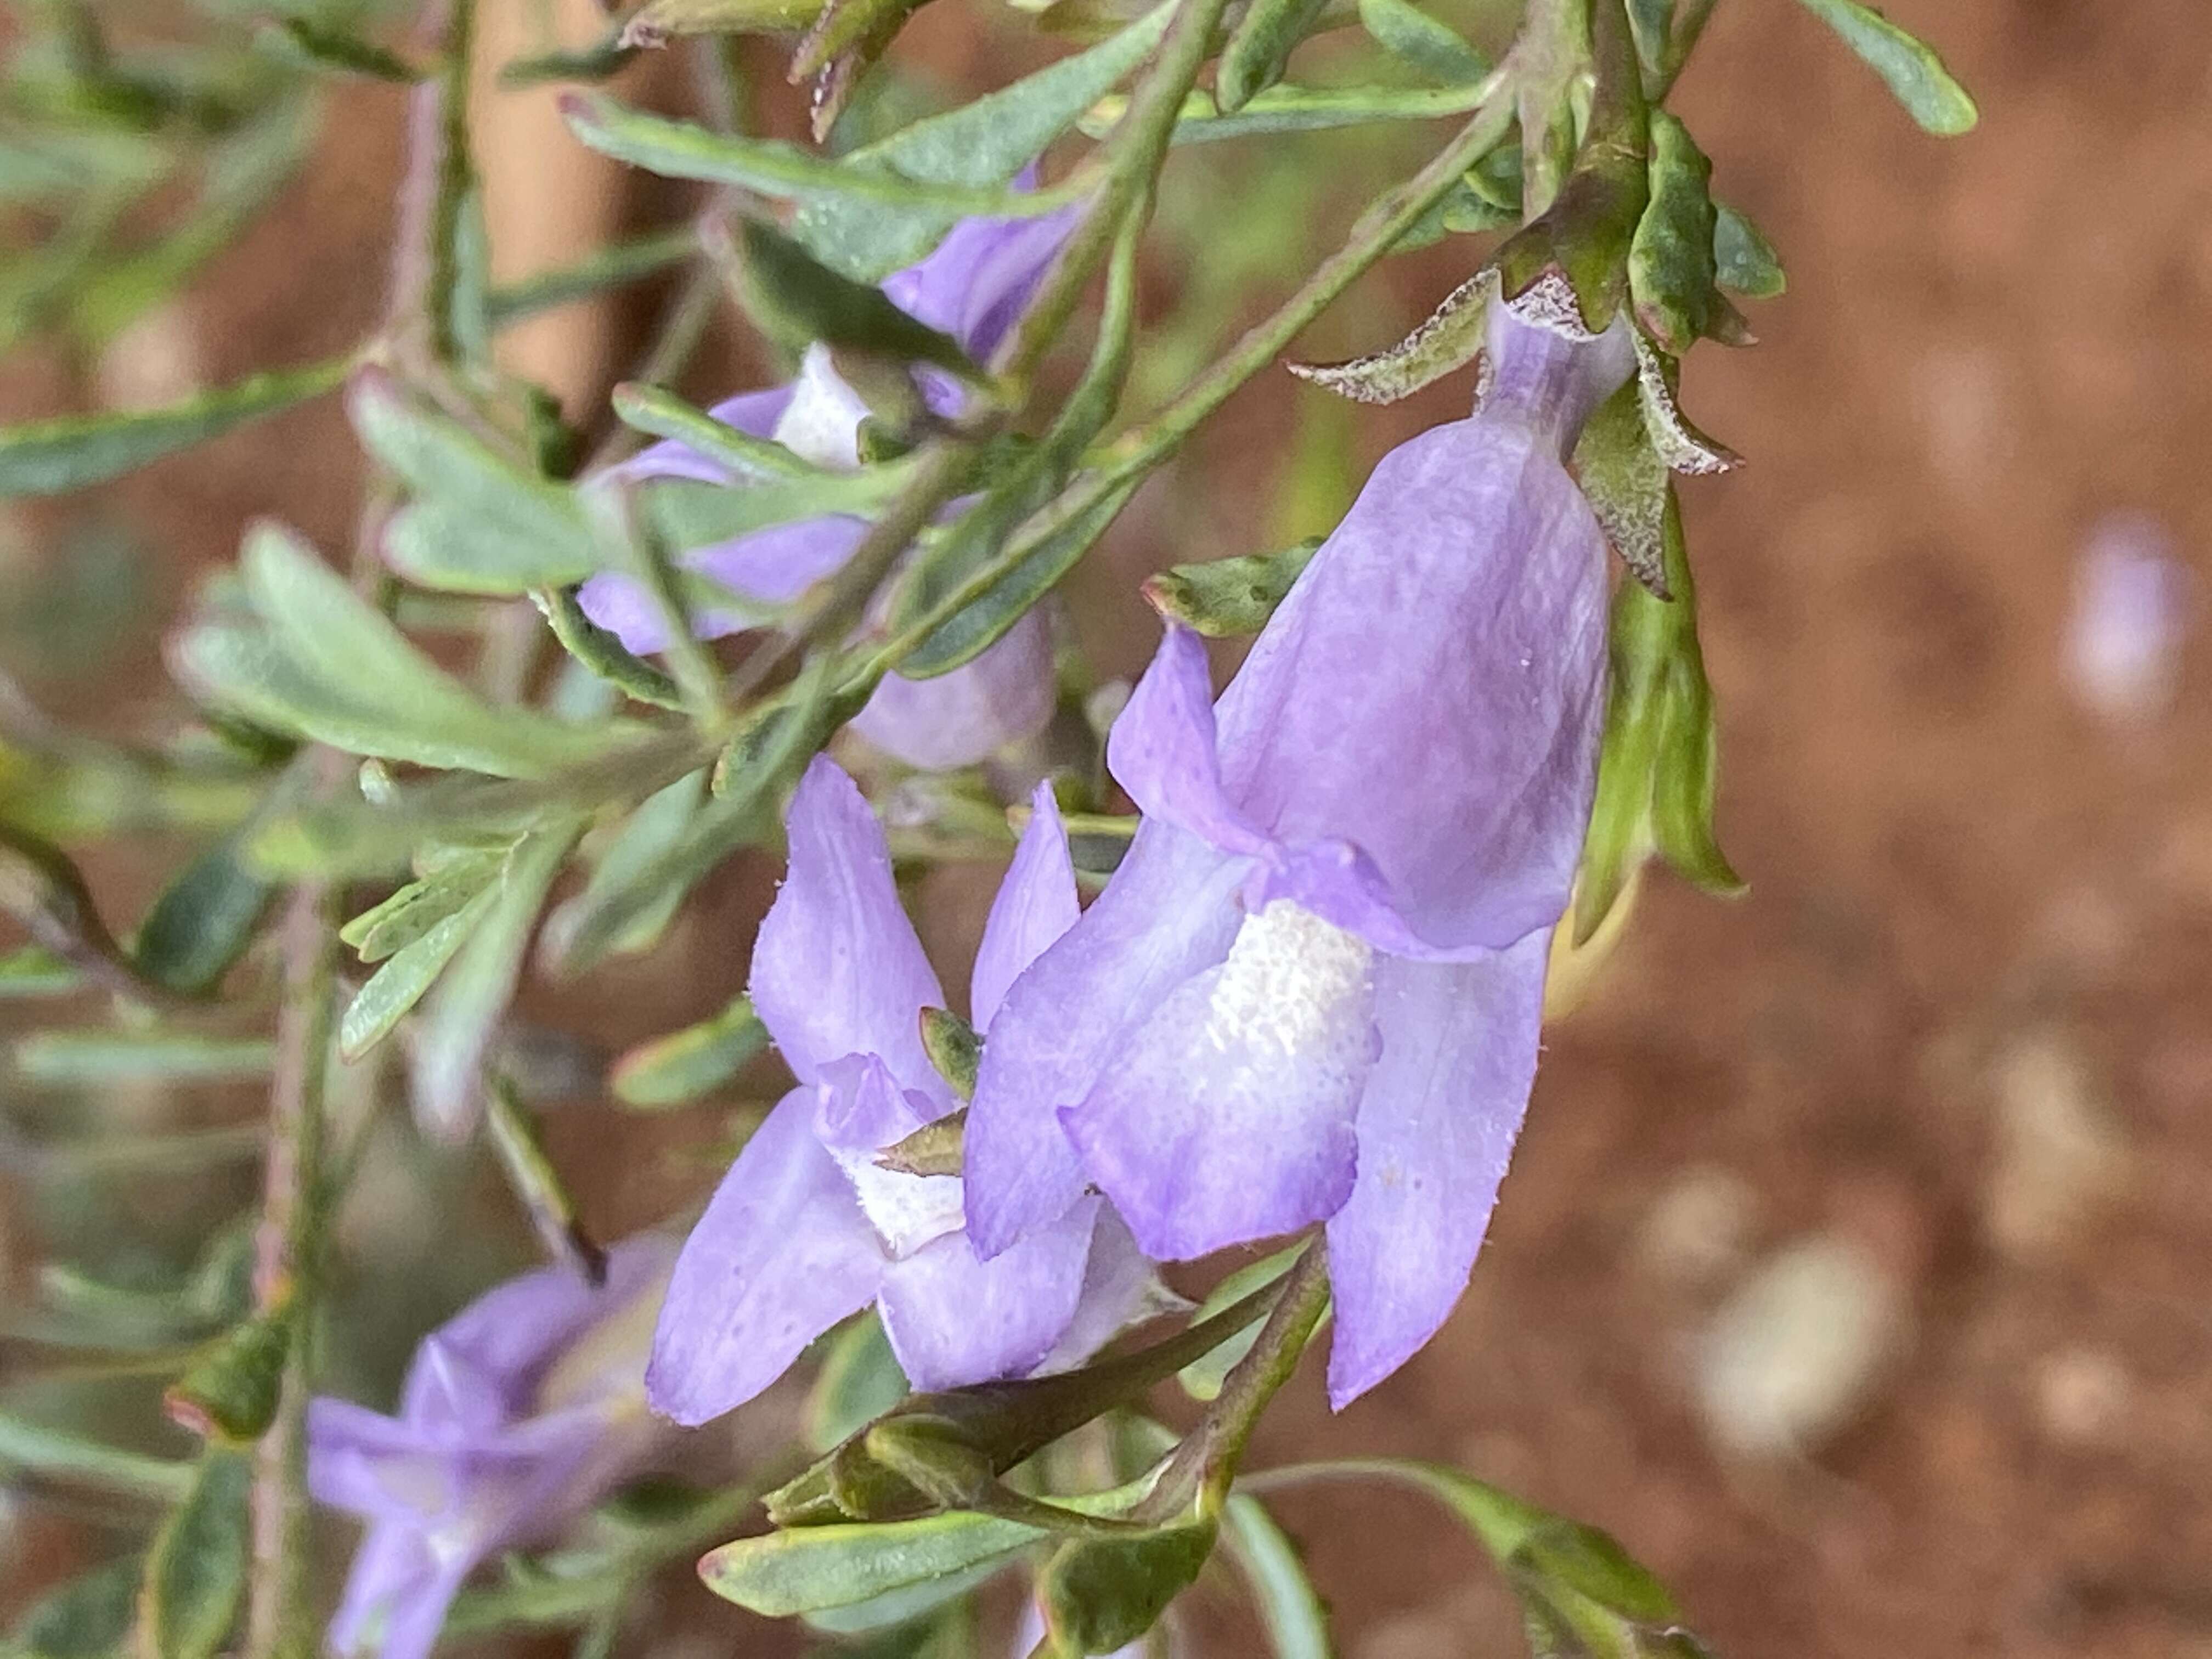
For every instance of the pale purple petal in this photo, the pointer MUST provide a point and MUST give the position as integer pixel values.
(1227, 1115)
(980, 276)
(1548, 380)
(1169, 912)
(398, 1586)
(1161, 749)
(781, 1255)
(1121, 1288)
(1005, 694)
(1433, 688)
(1437, 1127)
(836, 968)
(773, 566)
(953, 1319)
(1037, 904)
(368, 1464)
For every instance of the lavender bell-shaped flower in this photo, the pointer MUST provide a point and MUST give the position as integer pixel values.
(518, 1415)
(1311, 991)
(808, 1228)
(973, 287)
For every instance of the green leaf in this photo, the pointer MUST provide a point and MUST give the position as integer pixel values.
(1228, 598)
(1295, 1618)
(195, 1581)
(418, 906)
(203, 921)
(653, 832)
(658, 20)
(1101, 1593)
(84, 1058)
(1308, 109)
(48, 457)
(616, 265)
(400, 983)
(304, 41)
(57, 1455)
(859, 1381)
(979, 146)
(795, 299)
(685, 150)
(459, 1024)
(329, 667)
(688, 514)
(602, 652)
(1743, 259)
(808, 1569)
(1411, 35)
(661, 414)
(605, 57)
(678, 1069)
(1670, 261)
(88, 1618)
(479, 525)
(1450, 339)
(1259, 46)
(1908, 67)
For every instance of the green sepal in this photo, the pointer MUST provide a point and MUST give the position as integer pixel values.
(1585, 1597)
(1624, 482)
(229, 1394)
(1228, 599)
(1100, 1594)
(935, 1149)
(1671, 266)
(859, 1381)
(954, 1046)
(1448, 340)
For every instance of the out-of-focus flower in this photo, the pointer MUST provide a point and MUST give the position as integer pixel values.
(2131, 598)
(517, 1416)
(1311, 991)
(973, 287)
(808, 1227)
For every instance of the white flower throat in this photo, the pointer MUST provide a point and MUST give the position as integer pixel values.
(1295, 984)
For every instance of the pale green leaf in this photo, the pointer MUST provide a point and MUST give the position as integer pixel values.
(400, 983)
(1908, 66)
(1296, 1617)
(1422, 42)
(195, 1579)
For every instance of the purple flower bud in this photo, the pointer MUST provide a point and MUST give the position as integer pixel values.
(808, 1228)
(518, 1415)
(973, 287)
(1311, 991)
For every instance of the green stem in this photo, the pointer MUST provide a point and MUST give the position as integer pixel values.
(456, 176)
(280, 1614)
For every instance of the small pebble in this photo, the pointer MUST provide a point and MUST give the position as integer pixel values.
(2057, 1153)
(1698, 1228)
(1794, 1353)
(2132, 599)
(2082, 1397)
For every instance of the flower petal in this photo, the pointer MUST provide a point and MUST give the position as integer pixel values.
(836, 968)
(1162, 748)
(1437, 1127)
(953, 1319)
(1169, 912)
(1121, 1287)
(781, 1255)
(1433, 689)
(1005, 694)
(397, 1580)
(1228, 1116)
(980, 276)
(753, 413)
(773, 566)
(1037, 904)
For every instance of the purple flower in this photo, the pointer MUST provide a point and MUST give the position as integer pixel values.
(807, 1228)
(1311, 991)
(518, 1415)
(973, 288)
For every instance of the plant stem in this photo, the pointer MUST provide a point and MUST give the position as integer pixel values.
(456, 177)
(1206, 1463)
(279, 1616)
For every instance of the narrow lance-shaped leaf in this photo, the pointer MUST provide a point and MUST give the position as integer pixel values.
(48, 457)
(57, 1455)
(1670, 261)
(195, 1579)
(95, 1057)
(1300, 109)
(983, 143)
(659, 413)
(1411, 35)
(406, 975)
(1295, 1618)
(660, 21)
(1259, 46)
(203, 921)
(1909, 67)
(304, 41)
(613, 266)
(88, 1618)
(418, 906)
(684, 1066)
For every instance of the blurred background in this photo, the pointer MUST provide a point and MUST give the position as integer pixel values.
(1852, 1269)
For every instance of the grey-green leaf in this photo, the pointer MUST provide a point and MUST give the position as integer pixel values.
(1259, 46)
(88, 1618)
(979, 145)
(1908, 65)
(203, 921)
(196, 1570)
(680, 1067)
(95, 1057)
(48, 457)
(1422, 42)
(399, 984)
(419, 906)
(660, 413)
(859, 1381)
(1296, 1617)
(652, 832)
